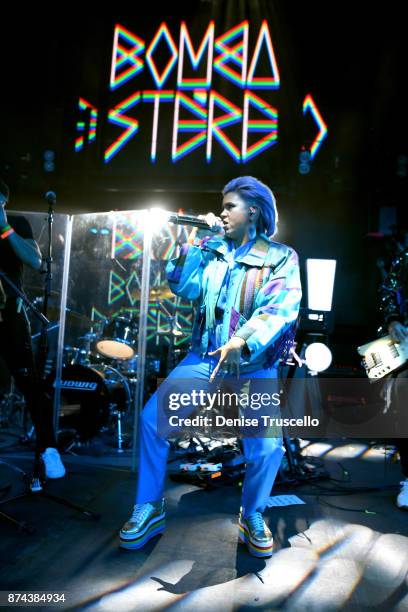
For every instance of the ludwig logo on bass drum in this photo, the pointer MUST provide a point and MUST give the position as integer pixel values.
(81, 385)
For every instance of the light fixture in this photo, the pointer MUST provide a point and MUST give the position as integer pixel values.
(157, 218)
(320, 283)
(318, 357)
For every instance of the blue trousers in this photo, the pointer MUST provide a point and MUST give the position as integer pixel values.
(262, 455)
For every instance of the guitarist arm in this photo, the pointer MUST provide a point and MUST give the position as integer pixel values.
(397, 331)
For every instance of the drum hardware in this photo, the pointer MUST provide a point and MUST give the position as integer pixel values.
(12, 402)
(74, 355)
(118, 415)
(128, 367)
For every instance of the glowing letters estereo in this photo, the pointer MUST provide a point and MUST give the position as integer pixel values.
(208, 112)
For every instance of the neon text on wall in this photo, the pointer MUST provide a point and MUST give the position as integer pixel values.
(200, 114)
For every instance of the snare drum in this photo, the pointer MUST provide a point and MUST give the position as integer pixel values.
(118, 339)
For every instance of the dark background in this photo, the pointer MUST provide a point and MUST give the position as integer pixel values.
(352, 64)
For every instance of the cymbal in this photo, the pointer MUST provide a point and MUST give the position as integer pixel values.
(176, 332)
(162, 292)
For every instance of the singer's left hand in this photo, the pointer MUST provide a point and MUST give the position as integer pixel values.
(230, 355)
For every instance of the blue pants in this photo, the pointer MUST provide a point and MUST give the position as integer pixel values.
(262, 455)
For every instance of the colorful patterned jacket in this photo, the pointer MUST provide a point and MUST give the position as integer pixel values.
(393, 293)
(263, 296)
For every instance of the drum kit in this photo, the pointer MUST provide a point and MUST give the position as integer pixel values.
(99, 374)
(98, 380)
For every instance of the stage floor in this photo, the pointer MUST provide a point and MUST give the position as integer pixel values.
(336, 552)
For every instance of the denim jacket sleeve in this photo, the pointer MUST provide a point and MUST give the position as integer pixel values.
(277, 308)
(185, 272)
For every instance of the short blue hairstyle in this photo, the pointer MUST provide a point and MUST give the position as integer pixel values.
(256, 193)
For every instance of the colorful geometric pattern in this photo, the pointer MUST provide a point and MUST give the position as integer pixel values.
(123, 55)
(269, 125)
(156, 97)
(127, 236)
(116, 287)
(198, 126)
(232, 116)
(272, 82)
(195, 58)
(236, 54)
(310, 105)
(133, 287)
(116, 117)
(163, 245)
(83, 105)
(162, 32)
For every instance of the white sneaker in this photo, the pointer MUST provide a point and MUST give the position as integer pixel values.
(54, 468)
(402, 499)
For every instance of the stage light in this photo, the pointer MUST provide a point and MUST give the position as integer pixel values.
(318, 357)
(320, 283)
(156, 219)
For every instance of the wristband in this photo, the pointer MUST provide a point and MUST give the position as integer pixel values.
(7, 230)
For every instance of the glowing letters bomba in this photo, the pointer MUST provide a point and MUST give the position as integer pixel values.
(208, 112)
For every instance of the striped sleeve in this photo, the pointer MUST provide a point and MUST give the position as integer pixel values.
(276, 315)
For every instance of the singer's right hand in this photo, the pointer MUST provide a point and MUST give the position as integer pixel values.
(213, 221)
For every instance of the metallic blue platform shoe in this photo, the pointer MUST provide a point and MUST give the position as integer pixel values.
(255, 534)
(147, 521)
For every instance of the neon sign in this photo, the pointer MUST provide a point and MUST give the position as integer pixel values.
(188, 76)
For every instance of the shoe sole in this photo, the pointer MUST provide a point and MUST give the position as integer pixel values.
(152, 529)
(254, 549)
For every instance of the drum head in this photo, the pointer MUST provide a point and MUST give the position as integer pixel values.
(114, 349)
(118, 339)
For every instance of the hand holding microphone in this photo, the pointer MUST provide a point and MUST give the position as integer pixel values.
(213, 222)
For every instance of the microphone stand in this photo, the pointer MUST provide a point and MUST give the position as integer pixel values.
(43, 342)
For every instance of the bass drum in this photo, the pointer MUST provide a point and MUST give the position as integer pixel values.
(89, 395)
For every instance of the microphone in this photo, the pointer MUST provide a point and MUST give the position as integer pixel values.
(51, 197)
(192, 220)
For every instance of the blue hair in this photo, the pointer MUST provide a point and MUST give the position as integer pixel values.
(256, 193)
